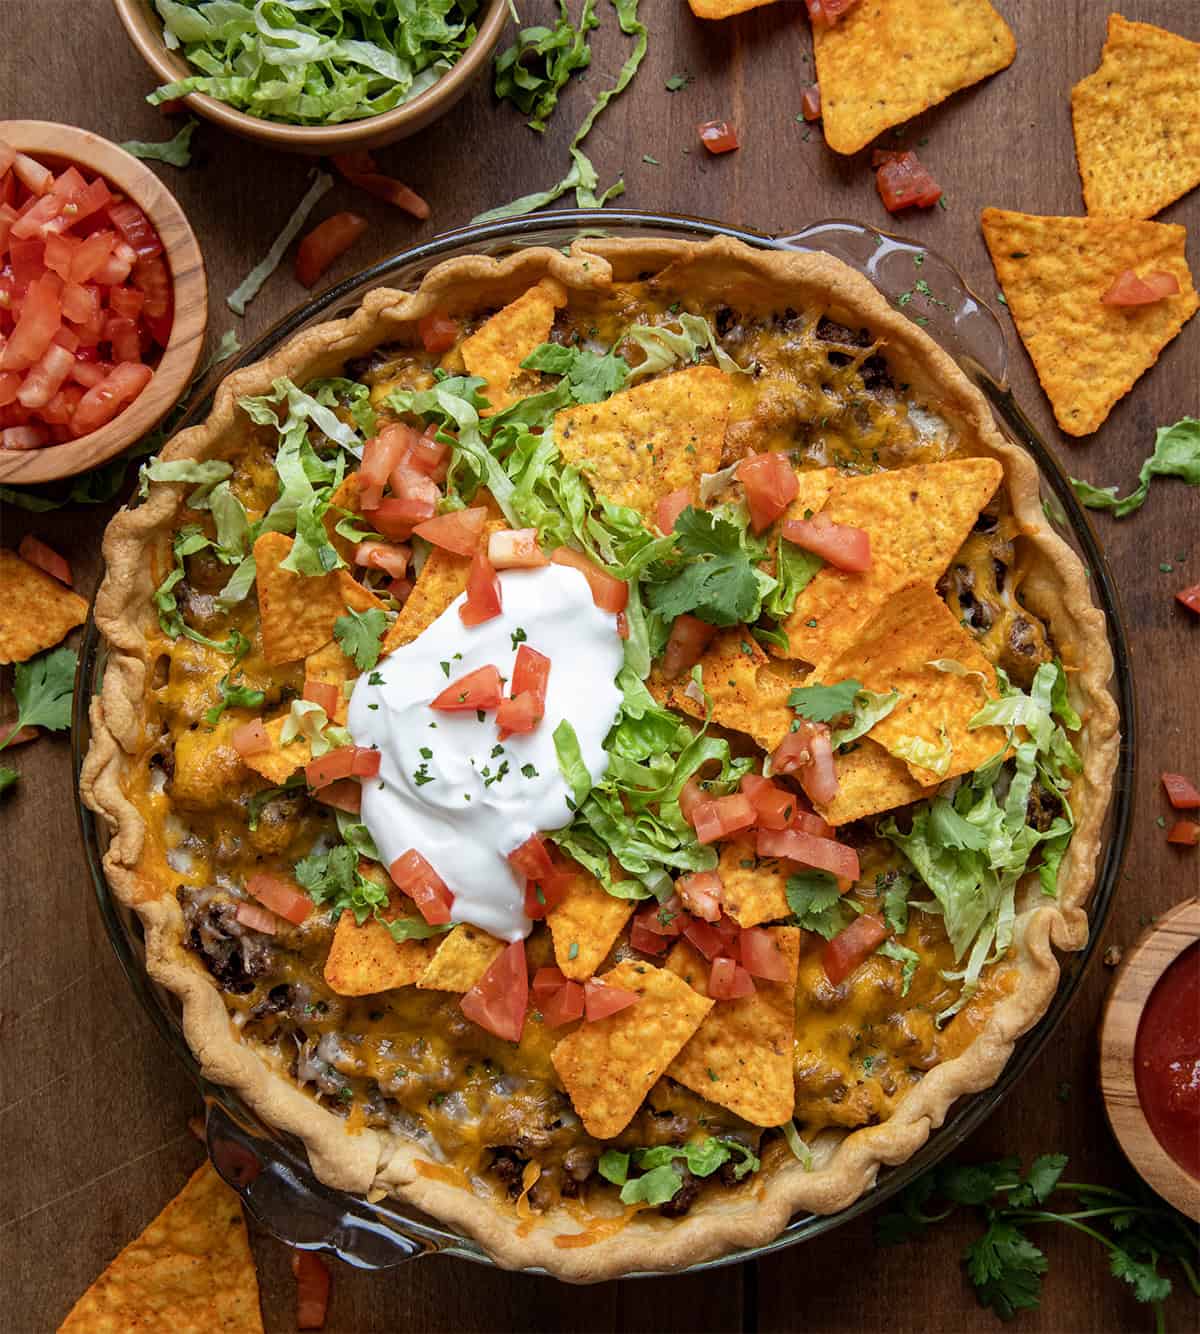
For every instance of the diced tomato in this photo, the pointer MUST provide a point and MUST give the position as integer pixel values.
(728, 980)
(412, 485)
(135, 227)
(458, 531)
(127, 302)
(622, 625)
(839, 859)
(543, 896)
(390, 557)
(46, 558)
(344, 795)
(251, 738)
(411, 873)
(564, 1006)
(721, 816)
(1127, 288)
(825, 13)
(23, 437)
(688, 639)
(483, 600)
(80, 303)
(392, 518)
(670, 507)
(645, 940)
(151, 278)
(851, 946)
(480, 689)
(718, 136)
(808, 754)
(429, 455)
(256, 918)
(438, 332)
(325, 693)
(58, 254)
(608, 592)
(325, 243)
(532, 859)
(761, 957)
(809, 823)
(32, 221)
(94, 196)
(122, 336)
(10, 382)
(546, 981)
(1185, 833)
(691, 795)
(519, 715)
(8, 215)
(774, 807)
(1181, 792)
(102, 403)
(67, 338)
(601, 999)
(281, 897)
(770, 484)
(381, 454)
(1190, 597)
(40, 319)
(664, 919)
(810, 102)
(312, 1289)
(701, 894)
(903, 182)
(88, 373)
(344, 762)
(531, 672)
(516, 549)
(90, 256)
(844, 547)
(705, 937)
(46, 376)
(359, 169)
(32, 175)
(497, 1002)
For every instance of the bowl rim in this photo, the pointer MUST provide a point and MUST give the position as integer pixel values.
(189, 286)
(142, 31)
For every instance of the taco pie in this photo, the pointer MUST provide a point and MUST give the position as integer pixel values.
(605, 746)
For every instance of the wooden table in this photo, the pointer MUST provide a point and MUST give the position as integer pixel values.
(93, 1110)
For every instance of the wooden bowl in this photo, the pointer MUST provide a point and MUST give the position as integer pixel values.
(145, 31)
(1143, 966)
(57, 145)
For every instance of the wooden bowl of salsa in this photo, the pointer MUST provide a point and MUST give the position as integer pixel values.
(1150, 1057)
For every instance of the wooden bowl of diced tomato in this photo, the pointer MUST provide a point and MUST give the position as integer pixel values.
(103, 301)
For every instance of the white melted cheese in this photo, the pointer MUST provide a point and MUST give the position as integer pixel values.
(439, 788)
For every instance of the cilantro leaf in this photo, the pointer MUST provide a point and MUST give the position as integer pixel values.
(720, 584)
(821, 703)
(591, 377)
(658, 1186)
(358, 632)
(676, 82)
(893, 887)
(976, 1183)
(1176, 454)
(1006, 1269)
(42, 688)
(1142, 1276)
(332, 878)
(816, 903)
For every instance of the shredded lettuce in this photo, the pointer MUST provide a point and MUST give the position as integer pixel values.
(662, 1167)
(249, 287)
(800, 1150)
(934, 756)
(536, 68)
(175, 152)
(665, 347)
(310, 721)
(870, 707)
(1176, 454)
(795, 569)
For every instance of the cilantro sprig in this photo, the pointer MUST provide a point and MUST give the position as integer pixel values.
(721, 583)
(42, 688)
(332, 878)
(358, 632)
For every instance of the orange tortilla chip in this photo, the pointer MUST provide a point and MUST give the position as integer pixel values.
(870, 781)
(723, 9)
(279, 763)
(461, 960)
(331, 666)
(495, 350)
(298, 612)
(36, 611)
(648, 441)
(917, 518)
(753, 889)
(1054, 272)
(1137, 126)
(191, 1271)
(886, 61)
(365, 960)
(741, 1055)
(585, 925)
(914, 628)
(344, 498)
(608, 1067)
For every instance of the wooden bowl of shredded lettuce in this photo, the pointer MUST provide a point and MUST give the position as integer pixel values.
(330, 77)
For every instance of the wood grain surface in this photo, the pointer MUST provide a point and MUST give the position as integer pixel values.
(93, 1135)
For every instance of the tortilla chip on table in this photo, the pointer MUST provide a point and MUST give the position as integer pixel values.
(190, 1272)
(1054, 272)
(585, 924)
(495, 350)
(1137, 127)
(886, 61)
(461, 959)
(36, 610)
(723, 9)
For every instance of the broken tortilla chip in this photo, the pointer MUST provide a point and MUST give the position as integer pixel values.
(461, 959)
(331, 666)
(753, 890)
(935, 707)
(609, 1066)
(365, 960)
(585, 925)
(495, 350)
(916, 518)
(648, 441)
(345, 498)
(191, 1271)
(279, 763)
(741, 1055)
(36, 611)
(1137, 124)
(297, 612)
(1054, 272)
(869, 781)
(886, 61)
(723, 9)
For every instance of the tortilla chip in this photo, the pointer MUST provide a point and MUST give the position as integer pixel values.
(330, 665)
(917, 518)
(279, 763)
(753, 890)
(1137, 126)
(585, 924)
(723, 9)
(298, 612)
(741, 1055)
(914, 628)
(1054, 272)
(869, 781)
(495, 350)
(364, 960)
(461, 959)
(648, 441)
(36, 611)
(886, 61)
(191, 1271)
(608, 1067)
(344, 498)
(815, 485)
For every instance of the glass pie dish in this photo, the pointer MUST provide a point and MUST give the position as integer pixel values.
(270, 1169)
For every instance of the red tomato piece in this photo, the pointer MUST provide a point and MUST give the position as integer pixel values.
(1181, 792)
(532, 858)
(770, 484)
(59, 252)
(10, 382)
(93, 253)
(903, 182)
(46, 376)
(705, 937)
(718, 136)
(32, 175)
(825, 13)
(39, 321)
(608, 592)
(519, 715)
(728, 980)
(251, 738)
(344, 762)
(127, 302)
(135, 228)
(516, 549)
(458, 531)
(497, 1002)
(24, 437)
(359, 169)
(438, 332)
(844, 547)
(691, 795)
(151, 278)
(809, 823)
(281, 897)
(531, 672)
(810, 102)
(722, 816)
(808, 754)
(102, 403)
(546, 981)
(480, 689)
(409, 484)
(411, 873)
(326, 242)
(701, 894)
(46, 558)
(565, 1006)
(670, 507)
(1190, 597)
(761, 957)
(688, 639)
(1127, 288)
(794, 845)
(391, 518)
(8, 216)
(851, 946)
(1185, 833)
(94, 196)
(543, 896)
(256, 918)
(483, 592)
(33, 221)
(602, 999)
(344, 795)
(381, 454)
(642, 938)
(122, 336)
(390, 557)
(774, 806)
(664, 919)
(312, 1289)
(118, 266)
(429, 455)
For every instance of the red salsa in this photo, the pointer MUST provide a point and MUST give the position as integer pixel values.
(1166, 1060)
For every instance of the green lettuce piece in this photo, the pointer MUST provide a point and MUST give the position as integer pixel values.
(870, 707)
(310, 721)
(570, 761)
(251, 284)
(534, 70)
(614, 1166)
(795, 569)
(660, 1185)
(1176, 454)
(665, 347)
(909, 961)
(175, 152)
(203, 475)
(952, 667)
(800, 1150)
(916, 750)
(662, 1178)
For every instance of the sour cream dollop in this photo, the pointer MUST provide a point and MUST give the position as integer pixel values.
(447, 785)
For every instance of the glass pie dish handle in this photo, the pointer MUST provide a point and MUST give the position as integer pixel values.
(921, 284)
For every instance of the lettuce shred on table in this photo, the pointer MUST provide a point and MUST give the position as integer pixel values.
(248, 288)
(314, 62)
(176, 152)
